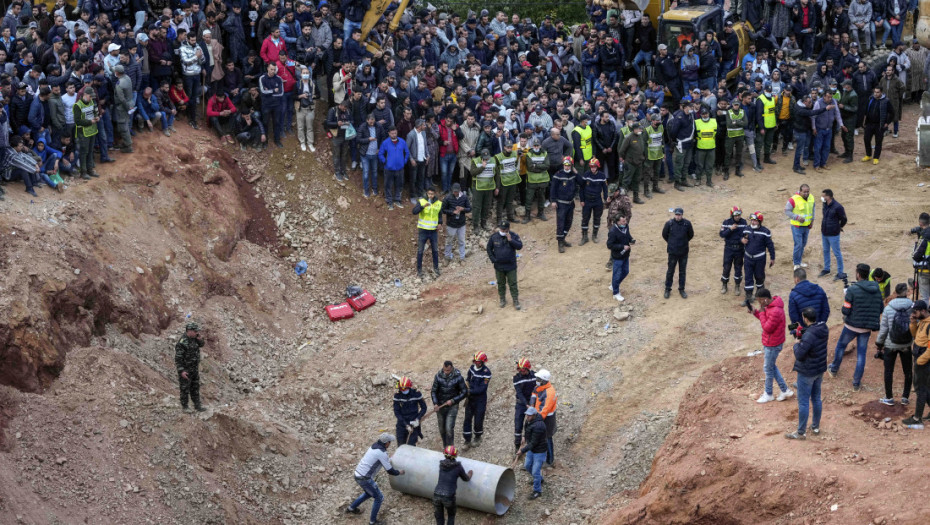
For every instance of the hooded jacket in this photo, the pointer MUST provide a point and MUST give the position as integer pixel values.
(884, 339)
(534, 431)
(803, 295)
(810, 353)
(772, 318)
(450, 472)
(862, 307)
(446, 387)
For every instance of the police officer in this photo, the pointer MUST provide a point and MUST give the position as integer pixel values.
(562, 190)
(524, 382)
(483, 170)
(477, 379)
(593, 195)
(736, 139)
(756, 240)
(677, 233)
(502, 251)
(537, 180)
(409, 409)
(633, 154)
(187, 361)
(706, 146)
(732, 233)
(655, 155)
(681, 135)
(767, 123)
(507, 180)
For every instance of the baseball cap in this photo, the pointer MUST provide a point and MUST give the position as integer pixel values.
(113, 47)
(679, 211)
(662, 46)
(531, 411)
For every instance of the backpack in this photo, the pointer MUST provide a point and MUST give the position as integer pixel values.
(900, 331)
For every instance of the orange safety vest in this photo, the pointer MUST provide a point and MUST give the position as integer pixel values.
(545, 399)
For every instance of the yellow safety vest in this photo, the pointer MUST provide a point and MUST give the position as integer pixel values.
(882, 285)
(739, 131)
(89, 111)
(429, 215)
(587, 150)
(509, 167)
(768, 111)
(484, 181)
(538, 159)
(804, 209)
(706, 131)
(655, 150)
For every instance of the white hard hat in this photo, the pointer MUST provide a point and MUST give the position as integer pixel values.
(543, 374)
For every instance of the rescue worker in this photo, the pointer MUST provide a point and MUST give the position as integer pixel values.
(655, 156)
(706, 146)
(562, 192)
(502, 251)
(732, 232)
(482, 170)
(593, 195)
(736, 138)
(524, 382)
(374, 459)
(800, 212)
(545, 400)
(477, 379)
(187, 361)
(766, 122)
(756, 240)
(409, 408)
(450, 472)
(883, 279)
(681, 134)
(849, 109)
(583, 142)
(536, 448)
(447, 392)
(429, 211)
(537, 180)
(507, 180)
(677, 233)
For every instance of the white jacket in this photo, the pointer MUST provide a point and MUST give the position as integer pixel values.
(190, 61)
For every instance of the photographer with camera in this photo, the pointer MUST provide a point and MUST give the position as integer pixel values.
(894, 337)
(921, 256)
(810, 362)
(920, 329)
(771, 315)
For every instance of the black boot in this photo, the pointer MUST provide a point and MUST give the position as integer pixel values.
(723, 287)
(739, 171)
(656, 188)
(726, 174)
(636, 198)
(566, 243)
(561, 246)
(748, 301)
(594, 236)
(542, 216)
(768, 159)
(584, 238)
(736, 287)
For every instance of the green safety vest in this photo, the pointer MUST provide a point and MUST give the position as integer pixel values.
(768, 111)
(738, 131)
(429, 215)
(655, 150)
(509, 169)
(484, 181)
(706, 132)
(89, 111)
(537, 159)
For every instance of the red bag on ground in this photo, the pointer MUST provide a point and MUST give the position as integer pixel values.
(338, 312)
(361, 301)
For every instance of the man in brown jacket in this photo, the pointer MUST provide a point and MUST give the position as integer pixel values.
(920, 329)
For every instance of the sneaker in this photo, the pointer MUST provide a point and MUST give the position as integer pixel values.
(815, 430)
(303, 147)
(354, 165)
(187, 410)
(866, 158)
(311, 148)
(905, 401)
(546, 205)
(831, 372)
(350, 510)
(390, 207)
(365, 194)
(795, 435)
(618, 297)
(785, 395)
(796, 266)
(857, 388)
(895, 135)
(912, 421)
(874, 161)
(420, 274)
(803, 265)
(399, 205)
(535, 495)
(765, 398)
(856, 133)
(887, 401)
(823, 273)
(840, 277)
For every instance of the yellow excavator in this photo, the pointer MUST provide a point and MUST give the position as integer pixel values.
(374, 13)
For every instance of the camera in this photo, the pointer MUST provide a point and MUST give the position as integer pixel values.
(916, 230)
(793, 326)
(796, 330)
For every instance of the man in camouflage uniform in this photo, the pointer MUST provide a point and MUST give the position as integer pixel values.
(187, 361)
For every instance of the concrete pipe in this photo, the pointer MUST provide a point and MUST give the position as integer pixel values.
(490, 489)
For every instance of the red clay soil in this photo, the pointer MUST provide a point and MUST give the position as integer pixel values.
(727, 461)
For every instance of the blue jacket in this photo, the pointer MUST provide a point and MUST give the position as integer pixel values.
(810, 353)
(147, 108)
(594, 188)
(681, 128)
(394, 155)
(863, 305)
(562, 187)
(503, 253)
(760, 239)
(617, 238)
(731, 238)
(409, 406)
(834, 218)
(36, 115)
(478, 379)
(523, 386)
(805, 294)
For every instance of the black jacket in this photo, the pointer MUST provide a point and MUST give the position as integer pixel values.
(619, 237)
(523, 386)
(409, 406)
(453, 219)
(450, 472)
(503, 253)
(833, 219)
(810, 353)
(802, 117)
(534, 431)
(448, 387)
(677, 234)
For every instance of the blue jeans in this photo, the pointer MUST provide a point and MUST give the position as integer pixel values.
(803, 140)
(424, 236)
(446, 168)
(533, 465)
(370, 173)
(689, 85)
(799, 234)
(832, 242)
(809, 393)
(771, 369)
(393, 183)
(621, 270)
(644, 57)
(371, 491)
(862, 343)
(822, 142)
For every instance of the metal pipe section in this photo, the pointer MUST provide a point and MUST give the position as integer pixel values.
(491, 488)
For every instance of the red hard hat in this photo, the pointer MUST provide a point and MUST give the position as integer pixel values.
(404, 383)
(524, 363)
(595, 163)
(757, 216)
(450, 451)
(567, 160)
(481, 356)
(734, 210)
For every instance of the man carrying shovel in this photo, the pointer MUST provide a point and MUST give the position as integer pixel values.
(409, 409)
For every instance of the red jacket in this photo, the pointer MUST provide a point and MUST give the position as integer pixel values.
(772, 318)
(287, 76)
(444, 135)
(214, 107)
(178, 96)
(270, 52)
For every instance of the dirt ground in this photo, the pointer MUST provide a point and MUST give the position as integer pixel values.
(90, 430)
